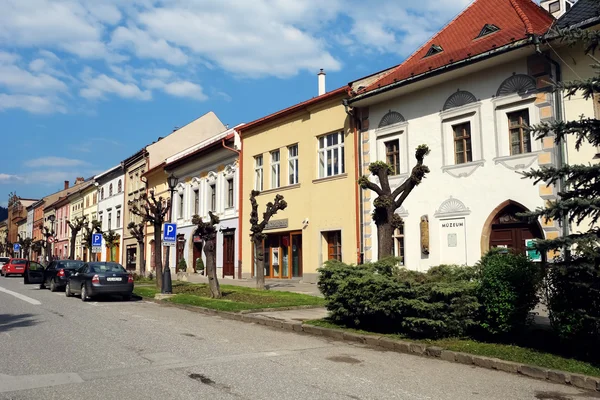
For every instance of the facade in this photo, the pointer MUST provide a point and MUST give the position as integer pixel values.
(17, 211)
(471, 113)
(3, 237)
(134, 167)
(62, 231)
(156, 179)
(29, 232)
(38, 237)
(90, 212)
(22, 233)
(110, 209)
(77, 205)
(307, 154)
(208, 176)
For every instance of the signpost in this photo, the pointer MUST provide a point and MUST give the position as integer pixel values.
(97, 243)
(532, 253)
(169, 234)
(16, 247)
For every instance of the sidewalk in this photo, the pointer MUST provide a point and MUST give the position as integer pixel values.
(282, 285)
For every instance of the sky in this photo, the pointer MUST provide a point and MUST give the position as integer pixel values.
(85, 83)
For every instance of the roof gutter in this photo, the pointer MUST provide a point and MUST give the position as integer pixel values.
(444, 69)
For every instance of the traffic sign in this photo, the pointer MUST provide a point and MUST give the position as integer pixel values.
(16, 247)
(96, 243)
(169, 234)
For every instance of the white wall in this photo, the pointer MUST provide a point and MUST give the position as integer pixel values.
(456, 199)
(29, 232)
(111, 205)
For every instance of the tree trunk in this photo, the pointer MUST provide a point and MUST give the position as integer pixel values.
(158, 255)
(259, 266)
(385, 239)
(210, 251)
(72, 250)
(142, 259)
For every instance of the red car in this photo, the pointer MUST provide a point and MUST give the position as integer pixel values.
(14, 266)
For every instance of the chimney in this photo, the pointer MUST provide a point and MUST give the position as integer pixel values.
(66, 184)
(79, 180)
(321, 77)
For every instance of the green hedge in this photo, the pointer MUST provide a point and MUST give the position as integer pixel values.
(383, 297)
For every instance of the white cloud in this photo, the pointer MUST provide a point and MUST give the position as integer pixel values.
(97, 87)
(54, 162)
(145, 46)
(32, 104)
(20, 80)
(7, 178)
(8, 58)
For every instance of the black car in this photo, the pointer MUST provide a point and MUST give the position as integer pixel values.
(58, 272)
(98, 278)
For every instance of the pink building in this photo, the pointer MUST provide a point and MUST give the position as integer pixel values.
(61, 227)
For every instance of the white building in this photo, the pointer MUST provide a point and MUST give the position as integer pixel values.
(468, 94)
(208, 181)
(29, 232)
(110, 208)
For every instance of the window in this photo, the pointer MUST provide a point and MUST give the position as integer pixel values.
(331, 155)
(95, 198)
(180, 208)
(258, 173)
(230, 193)
(392, 155)
(293, 164)
(462, 143)
(118, 218)
(519, 137)
(399, 243)
(119, 187)
(275, 170)
(101, 226)
(196, 202)
(554, 7)
(110, 190)
(334, 245)
(102, 194)
(213, 197)
(109, 221)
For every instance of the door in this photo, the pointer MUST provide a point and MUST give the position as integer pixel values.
(34, 274)
(228, 254)
(296, 255)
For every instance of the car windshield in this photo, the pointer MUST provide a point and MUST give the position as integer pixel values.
(69, 264)
(19, 262)
(100, 268)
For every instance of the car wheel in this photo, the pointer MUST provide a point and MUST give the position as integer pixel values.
(68, 290)
(52, 286)
(84, 295)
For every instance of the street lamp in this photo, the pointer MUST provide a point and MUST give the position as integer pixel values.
(167, 286)
(51, 218)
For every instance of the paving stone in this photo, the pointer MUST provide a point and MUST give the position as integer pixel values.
(417, 348)
(559, 376)
(354, 337)
(483, 362)
(402, 347)
(584, 382)
(464, 358)
(448, 355)
(333, 333)
(313, 330)
(506, 366)
(434, 351)
(533, 372)
(387, 343)
(372, 340)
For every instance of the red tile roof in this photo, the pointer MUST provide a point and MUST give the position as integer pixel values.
(516, 19)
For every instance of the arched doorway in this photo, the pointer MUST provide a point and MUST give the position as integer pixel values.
(504, 228)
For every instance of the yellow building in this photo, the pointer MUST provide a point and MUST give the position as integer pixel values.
(90, 211)
(307, 154)
(77, 210)
(134, 167)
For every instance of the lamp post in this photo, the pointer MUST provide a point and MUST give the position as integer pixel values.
(167, 286)
(51, 218)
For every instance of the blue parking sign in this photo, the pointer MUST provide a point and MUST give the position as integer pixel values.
(169, 234)
(16, 247)
(97, 240)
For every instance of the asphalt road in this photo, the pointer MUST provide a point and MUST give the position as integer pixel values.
(53, 347)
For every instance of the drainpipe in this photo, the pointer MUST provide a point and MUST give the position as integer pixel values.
(559, 117)
(240, 201)
(357, 190)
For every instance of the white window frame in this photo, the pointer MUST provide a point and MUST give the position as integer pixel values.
(258, 173)
(118, 218)
(293, 164)
(388, 133)
(325, 152)
(275, 169)
(228, 182)
(212, 193)
(196, 202)
(502, 107)
(400, 237)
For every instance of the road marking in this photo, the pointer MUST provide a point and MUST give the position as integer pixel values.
(21, 297)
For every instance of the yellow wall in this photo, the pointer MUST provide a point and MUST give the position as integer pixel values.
(90, 209)
(328, 204)
(157, 181)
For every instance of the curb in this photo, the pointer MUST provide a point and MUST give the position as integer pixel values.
(417, 349)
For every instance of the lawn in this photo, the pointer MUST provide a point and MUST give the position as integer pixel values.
(506, 352)
(235, 298)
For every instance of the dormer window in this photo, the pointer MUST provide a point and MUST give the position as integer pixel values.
(487, 29)
(433, 50)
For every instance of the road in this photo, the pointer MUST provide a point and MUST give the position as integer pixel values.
(53, 347)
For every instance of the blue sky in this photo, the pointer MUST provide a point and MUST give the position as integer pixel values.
(86, 83)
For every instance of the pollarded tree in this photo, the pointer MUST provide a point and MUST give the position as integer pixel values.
(25, 246)
(256, 232)
(76, 226)
(137, 231)
(111, 240)
(88, 231)
(207, 231)
(153, 211)
(388, 200)
(573, 293)
(47, 234)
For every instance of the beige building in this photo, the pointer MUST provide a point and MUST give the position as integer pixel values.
(306, 153)
(155, 177)
(134, 167)
(77, 206)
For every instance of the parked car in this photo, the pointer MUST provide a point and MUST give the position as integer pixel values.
(14, 266)
(98, 278)
(34, 273)
(4, 260)
(55, 275)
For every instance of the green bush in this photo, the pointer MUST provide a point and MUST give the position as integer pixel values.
(573, 299)
(182, 265)
(199, 264)
(383, 297)
(509, 287)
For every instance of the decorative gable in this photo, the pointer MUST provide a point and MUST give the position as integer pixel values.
(487, 29)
